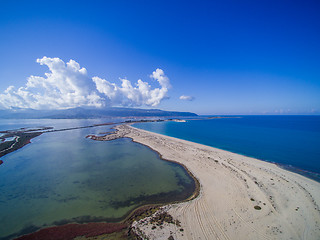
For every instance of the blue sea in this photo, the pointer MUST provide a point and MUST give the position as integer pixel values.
(293, 142)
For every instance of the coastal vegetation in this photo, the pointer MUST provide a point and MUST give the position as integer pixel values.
(19, 139)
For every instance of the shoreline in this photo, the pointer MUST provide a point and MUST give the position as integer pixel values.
(239, 202)
(291, 168)
(197, 189)
(112, 135)
(126, 219)
(250, 199)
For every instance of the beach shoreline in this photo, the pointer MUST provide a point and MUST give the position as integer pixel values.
(240, 197)
(236, 197)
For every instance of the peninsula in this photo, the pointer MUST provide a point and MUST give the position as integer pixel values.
(240, 197)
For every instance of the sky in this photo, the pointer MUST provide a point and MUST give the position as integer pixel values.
(207, 57)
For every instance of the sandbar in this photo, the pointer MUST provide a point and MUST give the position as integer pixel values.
(240, 197)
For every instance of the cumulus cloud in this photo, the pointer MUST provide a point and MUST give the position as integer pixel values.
(67, 85)
(186, 98)
(141, 94)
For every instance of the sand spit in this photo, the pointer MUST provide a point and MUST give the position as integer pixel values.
(240, 197)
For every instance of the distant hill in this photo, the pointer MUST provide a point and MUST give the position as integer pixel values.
(76, 113)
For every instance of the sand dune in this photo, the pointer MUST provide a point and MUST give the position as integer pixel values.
(232, 186)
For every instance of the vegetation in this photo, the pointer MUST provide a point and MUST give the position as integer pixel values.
(21, 139)
(257, 207)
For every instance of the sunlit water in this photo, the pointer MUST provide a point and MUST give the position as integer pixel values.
(63, 177)
(291, 141)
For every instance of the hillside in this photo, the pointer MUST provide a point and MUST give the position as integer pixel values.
(77, 113)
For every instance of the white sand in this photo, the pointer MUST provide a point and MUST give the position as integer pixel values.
(224, 209)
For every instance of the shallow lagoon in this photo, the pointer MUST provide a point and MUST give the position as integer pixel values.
(63, 177)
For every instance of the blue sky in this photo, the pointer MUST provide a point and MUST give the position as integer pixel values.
(230, 57)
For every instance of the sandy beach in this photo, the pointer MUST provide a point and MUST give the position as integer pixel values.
(240, 197)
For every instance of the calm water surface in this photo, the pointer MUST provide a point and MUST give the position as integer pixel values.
(293, 141)
(63, 177)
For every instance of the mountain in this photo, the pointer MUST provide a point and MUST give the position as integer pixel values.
(73, 113)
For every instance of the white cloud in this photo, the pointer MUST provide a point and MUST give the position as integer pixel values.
(68, 85)
(141, 94)
(186, 98)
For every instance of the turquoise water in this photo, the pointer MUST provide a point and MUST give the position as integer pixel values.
(63, 177)
(292, 141)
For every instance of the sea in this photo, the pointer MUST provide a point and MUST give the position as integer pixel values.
(292, 142)
(64, 177)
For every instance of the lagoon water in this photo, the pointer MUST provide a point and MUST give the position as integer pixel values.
(292, 141)
(63, 177)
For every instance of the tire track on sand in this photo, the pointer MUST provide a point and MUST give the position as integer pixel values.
(212, 221)
(199, 220)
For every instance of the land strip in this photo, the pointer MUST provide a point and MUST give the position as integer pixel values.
(23, 136)
(240, 197)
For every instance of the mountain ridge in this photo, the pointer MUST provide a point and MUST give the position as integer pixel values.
(78, 113)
